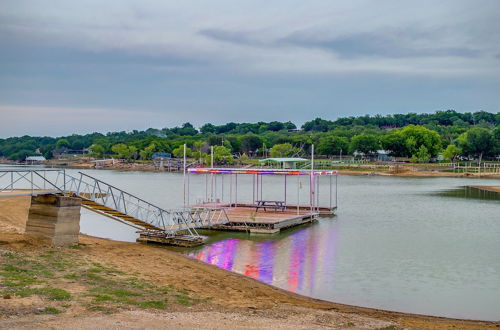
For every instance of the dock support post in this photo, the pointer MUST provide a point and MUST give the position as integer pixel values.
(184, 175)
(261, 177)
(236, 190)
(212, 175)
(285, 190)
(317, 194)
(330, 196)
(206, 187)
(336, 201)
(311, 180)
(253, 188)
(230, 189)
(298, 194)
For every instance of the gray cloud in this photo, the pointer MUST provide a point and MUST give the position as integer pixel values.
(391, 44)
(244, 60)
(235, 37)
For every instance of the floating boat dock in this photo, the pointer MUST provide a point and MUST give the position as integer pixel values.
(245, 217)
(258, 215)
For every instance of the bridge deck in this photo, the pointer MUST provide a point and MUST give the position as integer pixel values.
(26, 192)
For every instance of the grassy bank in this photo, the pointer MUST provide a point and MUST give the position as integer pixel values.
(63, 279)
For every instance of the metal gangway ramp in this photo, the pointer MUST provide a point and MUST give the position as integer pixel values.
(112, 202)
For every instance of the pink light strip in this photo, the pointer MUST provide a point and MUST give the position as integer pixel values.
(258, 171)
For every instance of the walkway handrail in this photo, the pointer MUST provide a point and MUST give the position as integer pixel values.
(131, 195)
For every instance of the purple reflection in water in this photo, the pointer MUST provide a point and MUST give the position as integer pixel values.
(296, 263)
(219, 253)
(266, 262)
(227, 252)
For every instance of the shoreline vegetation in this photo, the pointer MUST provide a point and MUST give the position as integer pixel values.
(106, 283)
(426, 138)
(383, 169)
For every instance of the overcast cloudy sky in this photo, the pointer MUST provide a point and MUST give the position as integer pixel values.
(83, 66)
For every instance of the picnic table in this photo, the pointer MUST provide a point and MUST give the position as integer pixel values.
(276, 205)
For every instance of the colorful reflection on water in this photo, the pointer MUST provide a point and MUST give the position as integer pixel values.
(294, 262)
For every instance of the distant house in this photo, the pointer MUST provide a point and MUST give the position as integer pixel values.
(379, 155)
(383, 156)
(288, 163)
(161, 155)
(65, 151)
(35, 159)
(99, 163)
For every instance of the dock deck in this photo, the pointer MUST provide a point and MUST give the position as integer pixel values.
(245, 217)
(265, 222)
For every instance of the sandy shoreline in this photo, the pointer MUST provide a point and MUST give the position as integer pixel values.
(235, 301)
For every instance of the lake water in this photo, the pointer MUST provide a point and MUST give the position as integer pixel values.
(419, 245)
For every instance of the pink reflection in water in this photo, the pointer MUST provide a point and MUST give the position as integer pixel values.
(294, 263)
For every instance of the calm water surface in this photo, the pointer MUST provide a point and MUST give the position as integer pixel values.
(419, 245)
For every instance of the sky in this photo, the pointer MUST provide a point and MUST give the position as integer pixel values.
(84, 66)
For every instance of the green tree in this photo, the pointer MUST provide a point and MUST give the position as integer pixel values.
(250, 143)
(395, 143)
(243, 159)
(207, 128)
(179, 152)
(46, 150)
(77, 145)
(496, 138)
(97, 150)
(422, 155)
(332, 145)
(21, 155)
(477, 141)
(62, 143)
(451, 152)
(406, 142)
(365, 143)
(198, 145)
(147, 152)
(123, 151)
(187, 129)
(222, 155)
(283, 150)
(133, 152)
(317, 125)
(275, 126)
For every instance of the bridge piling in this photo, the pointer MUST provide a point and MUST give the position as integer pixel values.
(55, 217)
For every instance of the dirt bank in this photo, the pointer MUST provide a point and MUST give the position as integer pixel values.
(488, 188)
(229, 300)
(13, 213)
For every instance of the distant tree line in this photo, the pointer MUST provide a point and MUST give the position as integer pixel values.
(416, 136)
